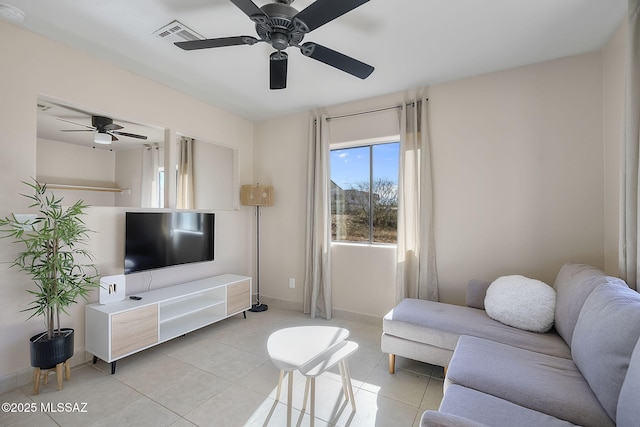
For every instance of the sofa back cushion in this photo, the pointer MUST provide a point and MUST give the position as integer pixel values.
(476, 292)
(628, 412)
(604, 338)
(573, 285)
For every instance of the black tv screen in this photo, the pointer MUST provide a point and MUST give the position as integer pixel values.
(163, 239)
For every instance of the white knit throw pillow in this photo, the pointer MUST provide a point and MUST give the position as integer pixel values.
(521, 302)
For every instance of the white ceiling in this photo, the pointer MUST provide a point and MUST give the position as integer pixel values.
(410, 43)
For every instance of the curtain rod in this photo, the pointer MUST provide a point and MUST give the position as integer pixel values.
(359, 113)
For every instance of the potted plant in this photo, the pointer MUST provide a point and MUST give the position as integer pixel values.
(62, 271)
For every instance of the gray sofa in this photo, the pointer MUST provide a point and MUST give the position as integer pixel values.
(584, 371)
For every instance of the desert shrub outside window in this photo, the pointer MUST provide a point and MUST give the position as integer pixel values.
(364, 193)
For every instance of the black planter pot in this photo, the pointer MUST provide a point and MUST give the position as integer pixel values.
(46, 354)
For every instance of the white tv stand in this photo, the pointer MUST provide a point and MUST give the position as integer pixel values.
(119, 329)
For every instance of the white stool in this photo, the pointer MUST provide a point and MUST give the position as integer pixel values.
(291, 348)
(336, 355)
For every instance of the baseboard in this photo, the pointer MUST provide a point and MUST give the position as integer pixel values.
(336, 313)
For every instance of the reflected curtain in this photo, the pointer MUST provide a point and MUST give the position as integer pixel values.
(185, 199)
(629, 263)
(149, 184)
(416, 275)
(317, 284)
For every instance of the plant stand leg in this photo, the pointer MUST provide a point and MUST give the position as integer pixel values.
(67, 370)
(36, 381)
(59, 368)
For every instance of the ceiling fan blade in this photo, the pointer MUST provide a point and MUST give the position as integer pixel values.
(251, 10)
(91, 128)
(336, 60)
(130, 135)
(219, 42)
(278, 70)
(320, 12)
(111, 126)
(77, 130)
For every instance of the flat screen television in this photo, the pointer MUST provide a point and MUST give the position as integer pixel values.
(162, 239)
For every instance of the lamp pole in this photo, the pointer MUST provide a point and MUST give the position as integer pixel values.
(258, 307)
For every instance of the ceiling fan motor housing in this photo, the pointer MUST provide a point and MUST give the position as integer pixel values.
(100, 122)
(279, 30)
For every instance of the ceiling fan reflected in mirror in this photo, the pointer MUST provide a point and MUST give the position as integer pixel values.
(104, 129)
(282, 26)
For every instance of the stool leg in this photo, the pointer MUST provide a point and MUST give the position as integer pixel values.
(347, 376)
(289, 398)
(306, 394)
(312, 413)
(279, 386)
(344, 381)
(36, 381)
(59, 367)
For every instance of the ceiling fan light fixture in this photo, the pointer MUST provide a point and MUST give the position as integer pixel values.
(102, 138)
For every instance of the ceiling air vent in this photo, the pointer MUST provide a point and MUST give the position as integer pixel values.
(177, 32)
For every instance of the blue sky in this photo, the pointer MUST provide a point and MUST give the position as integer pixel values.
(350, 166)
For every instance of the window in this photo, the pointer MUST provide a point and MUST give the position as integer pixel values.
(364, 193)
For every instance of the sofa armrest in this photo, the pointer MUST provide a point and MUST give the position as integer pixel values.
(441, 419)
(476, 291)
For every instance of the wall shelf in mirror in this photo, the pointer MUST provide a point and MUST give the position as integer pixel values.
(87, 188)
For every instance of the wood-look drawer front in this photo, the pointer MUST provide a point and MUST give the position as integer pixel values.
(238, 297)
(133, 330)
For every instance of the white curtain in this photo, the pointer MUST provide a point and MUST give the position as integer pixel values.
(317, 284)
(416, 275)
(149, 184)
(629, 238)
(185, 174)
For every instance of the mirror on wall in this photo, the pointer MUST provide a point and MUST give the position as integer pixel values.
(112, 161)
(106, 161)
(206, 175)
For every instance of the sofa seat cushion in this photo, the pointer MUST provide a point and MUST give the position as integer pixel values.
(543, 383)
(490, 410)
(440, 325)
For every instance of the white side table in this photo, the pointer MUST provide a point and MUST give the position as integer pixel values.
(291, 348)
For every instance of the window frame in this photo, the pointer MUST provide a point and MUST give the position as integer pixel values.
(369, 143)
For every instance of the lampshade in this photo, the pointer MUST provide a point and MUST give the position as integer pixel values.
(102, 138)
(256, 195)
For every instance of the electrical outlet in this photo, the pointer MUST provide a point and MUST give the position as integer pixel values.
(292, 283)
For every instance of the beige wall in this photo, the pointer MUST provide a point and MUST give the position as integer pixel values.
(613, 66)
(33, 66)
(518, 172)
(518, 177)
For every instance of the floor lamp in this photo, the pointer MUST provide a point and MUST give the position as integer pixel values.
(257, 195)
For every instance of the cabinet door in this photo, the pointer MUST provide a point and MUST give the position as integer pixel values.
(238, 297)
(134, 330)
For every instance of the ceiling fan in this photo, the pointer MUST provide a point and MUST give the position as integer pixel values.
(282, 26)
(104, 128)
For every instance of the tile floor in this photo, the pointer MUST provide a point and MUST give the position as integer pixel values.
(221, 375)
